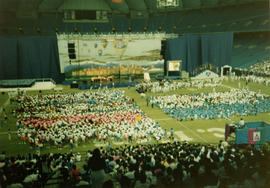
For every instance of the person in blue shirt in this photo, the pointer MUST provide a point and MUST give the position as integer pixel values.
(172, 132)
(165, 133)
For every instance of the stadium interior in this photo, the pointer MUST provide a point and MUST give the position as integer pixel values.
(135, 93)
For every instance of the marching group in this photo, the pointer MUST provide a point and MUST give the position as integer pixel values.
(253, 78)
(213, 105)
(167, 86)
(105, 115)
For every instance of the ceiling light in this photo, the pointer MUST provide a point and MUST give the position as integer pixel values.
(145, 28)
(20, 29)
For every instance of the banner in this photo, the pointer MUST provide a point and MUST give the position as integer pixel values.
(256, 136)
(85, 55)
(251, 136)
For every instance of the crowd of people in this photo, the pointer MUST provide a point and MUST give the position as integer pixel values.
(254, 79)
(34, 170)
(104, 115)
(262, 68)
(213, 105)
(167, 86)
(172, 164)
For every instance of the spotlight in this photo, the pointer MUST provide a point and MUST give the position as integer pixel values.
(129, 29)
(56, 30)
(95, 29)
(75, 29)
(145, 28)
(20, 29)
(38, 30)
(113, 29)
(160, 28)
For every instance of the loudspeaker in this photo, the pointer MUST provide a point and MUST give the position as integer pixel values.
(71, 51)
(163, 48)
(72, 56)
(71, 45)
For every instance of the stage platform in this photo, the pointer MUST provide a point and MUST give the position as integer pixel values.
(253, 133)
(27, 84)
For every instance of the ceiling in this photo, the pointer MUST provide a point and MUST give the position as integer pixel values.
(144, 7)
(190, 16)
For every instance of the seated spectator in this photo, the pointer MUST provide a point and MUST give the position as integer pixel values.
(97, 166)
(75, 175)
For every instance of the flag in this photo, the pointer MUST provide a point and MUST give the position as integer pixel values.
(250, 136)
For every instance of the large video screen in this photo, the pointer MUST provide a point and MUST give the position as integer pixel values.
(84, 55)
(174, 65)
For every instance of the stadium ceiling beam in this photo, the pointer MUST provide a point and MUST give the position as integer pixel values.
(60, 4)
(109, 5)
(38, 4)
(128, 6)
(147, 8)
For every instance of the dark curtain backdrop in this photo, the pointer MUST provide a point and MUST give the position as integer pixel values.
(8, 58)
(29, 57)
(197, 50)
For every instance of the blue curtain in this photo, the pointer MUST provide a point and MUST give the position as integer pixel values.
(197, 50)
(30, 57)
(217, 49)
(8, 58)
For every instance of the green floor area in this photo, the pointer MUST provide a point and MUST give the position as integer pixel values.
(203, 131)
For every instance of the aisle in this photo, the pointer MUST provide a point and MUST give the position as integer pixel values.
(182, 132)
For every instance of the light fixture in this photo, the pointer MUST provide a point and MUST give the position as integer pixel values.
(95, 29)
(113, 29)
(56, 30)
(129, 29)
(145, 28)
(38, 30)
(20, 29)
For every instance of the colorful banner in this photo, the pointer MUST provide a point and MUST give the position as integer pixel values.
(83, 55)
(250, 136)
(256, 136)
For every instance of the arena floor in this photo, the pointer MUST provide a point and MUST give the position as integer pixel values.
(199, 131)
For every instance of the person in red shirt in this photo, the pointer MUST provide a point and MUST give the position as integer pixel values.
(75, 174)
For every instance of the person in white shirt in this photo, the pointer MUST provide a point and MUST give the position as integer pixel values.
(241, 123)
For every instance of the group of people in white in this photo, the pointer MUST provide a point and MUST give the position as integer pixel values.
(254, 79)
(166, 86)
(261, 67)
(105, 115)
(213, 105)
